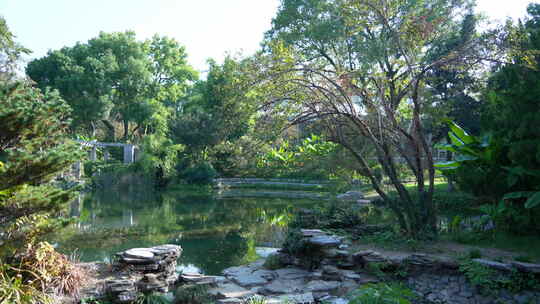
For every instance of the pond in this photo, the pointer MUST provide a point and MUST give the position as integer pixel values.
(214, 232)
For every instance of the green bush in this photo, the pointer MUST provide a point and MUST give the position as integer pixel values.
(382, 293)
(202, 173)
(333, 215)
(273, 262)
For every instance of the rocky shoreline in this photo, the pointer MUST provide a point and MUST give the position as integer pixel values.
(325, 274)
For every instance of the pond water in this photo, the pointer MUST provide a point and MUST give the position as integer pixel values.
(214, 233)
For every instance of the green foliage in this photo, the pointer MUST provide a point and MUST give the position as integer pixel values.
(192, 294)
(33, 151)
(159, 158)
(273, 262)
(219, 111)
(311, 159)
(333, 215)
(310, 255)
(201, 173)
(382, 293)
(474, 254)
(482, 167)
(479, 275)
(115, 78)
(153, 298)
(350, 66)
(256, 300)
(14, 290)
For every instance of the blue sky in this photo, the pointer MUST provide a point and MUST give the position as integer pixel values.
(208, 28)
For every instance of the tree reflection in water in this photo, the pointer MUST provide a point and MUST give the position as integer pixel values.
(215, 233)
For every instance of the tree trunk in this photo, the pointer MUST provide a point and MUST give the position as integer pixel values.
(126, 129)
(111, 136)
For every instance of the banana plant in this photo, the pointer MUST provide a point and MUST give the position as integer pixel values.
(469, 148)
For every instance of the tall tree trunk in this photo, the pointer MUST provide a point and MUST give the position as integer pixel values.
(126, 129)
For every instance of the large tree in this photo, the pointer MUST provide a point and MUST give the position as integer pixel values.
(220, 108)
(116, 78)
(361, 68)
(513, 105)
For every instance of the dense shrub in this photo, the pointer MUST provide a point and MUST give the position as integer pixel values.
(37, 273)
(201, 173)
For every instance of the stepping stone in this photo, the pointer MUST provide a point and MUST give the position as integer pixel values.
(319, 285)
(312, 232)
(292, 273)
(304, 298)
(249, 279)
(279, 286)
(231, 301)
(351, 275)
(324, 241)
(230, 290)
(139, 253)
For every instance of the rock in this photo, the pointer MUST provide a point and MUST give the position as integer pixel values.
(319, 285)
(526, 267)
(362, 258)
(139, 254)
(334, 300)
(419, 259)
(324, 241)
(265, 252)
(126, 297)
(312, 232)
(255, 278)
(334, 253)
(230, 290)
(350, 196)
(366, 279)
(351, 275)
(304, 298)
(331, 273)
(280, 286)
(167, 249)
(493, 264)
(292, 273)
(230, 301)
(200, 279)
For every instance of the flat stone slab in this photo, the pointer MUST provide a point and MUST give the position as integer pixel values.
(304, 298)
(319, 285)
(250, 278)
(324, 240)
(230, 290)
(292, 273)
(166, 249)
(351, 275)
(493, 264)
(139, 253)
(280, 286)
(334, 300)
(312, 232)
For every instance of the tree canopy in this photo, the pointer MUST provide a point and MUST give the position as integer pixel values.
(115, 78)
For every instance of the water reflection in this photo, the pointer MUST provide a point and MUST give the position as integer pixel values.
(215, 233)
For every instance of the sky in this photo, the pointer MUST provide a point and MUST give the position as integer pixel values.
(207, 28)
